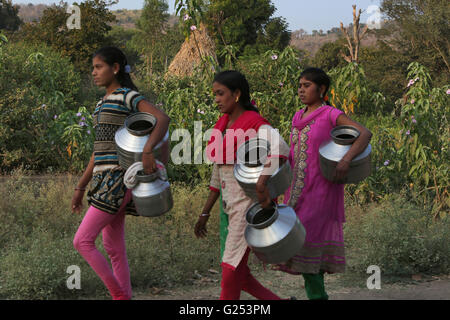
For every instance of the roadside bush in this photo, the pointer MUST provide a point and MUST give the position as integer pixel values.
(37, 230)
(36, 84)
(397, 236)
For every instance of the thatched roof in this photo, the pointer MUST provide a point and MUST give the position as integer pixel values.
(188, 58)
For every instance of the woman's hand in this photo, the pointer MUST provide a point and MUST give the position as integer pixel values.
(263, 194)
(341, 171)
(200, 227)
(77, 201)
(149, 163)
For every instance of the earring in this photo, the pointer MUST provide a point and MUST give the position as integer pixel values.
(237, 99)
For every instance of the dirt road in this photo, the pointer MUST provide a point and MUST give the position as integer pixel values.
(207, 287)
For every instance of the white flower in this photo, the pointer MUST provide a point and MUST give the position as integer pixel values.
(186, 17)
(274, 57)
(193, 28)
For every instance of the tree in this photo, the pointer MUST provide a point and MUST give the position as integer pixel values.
(151, 26)
(354, 43)
(242, 23)
(420, 31)
(78, 44)
(328, 56)
(9, 18)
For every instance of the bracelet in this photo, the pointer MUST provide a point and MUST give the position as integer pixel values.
(80, 189)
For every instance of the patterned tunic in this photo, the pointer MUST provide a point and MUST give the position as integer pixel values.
(107, 189)
(236, 203)
(319, 203)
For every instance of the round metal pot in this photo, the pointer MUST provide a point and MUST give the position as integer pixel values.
(275, 235)
(131, 138)
(331, 152)
(152, 196)
(251, 156)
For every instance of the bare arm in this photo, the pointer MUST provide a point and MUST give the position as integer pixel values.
(162, 124)
(357, 147)
(81, 187)
(200, 227)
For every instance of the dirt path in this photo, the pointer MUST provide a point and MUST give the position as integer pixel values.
(207, 287)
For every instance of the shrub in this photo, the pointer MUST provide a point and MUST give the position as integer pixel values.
(36, 83)
(37, 230)
(397, 236)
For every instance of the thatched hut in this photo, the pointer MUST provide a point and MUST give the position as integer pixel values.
(190, 55)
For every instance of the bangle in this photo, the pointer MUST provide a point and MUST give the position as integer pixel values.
(204, 215)
(80, 189)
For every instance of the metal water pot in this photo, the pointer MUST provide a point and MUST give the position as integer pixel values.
(131, 138)
(251, 156)
(152, 196)
(276, 234)
(331, 152)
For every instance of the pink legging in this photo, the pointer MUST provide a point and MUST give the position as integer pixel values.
(112, 227)
(233, 281)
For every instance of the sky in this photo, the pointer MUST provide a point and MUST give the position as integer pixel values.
(300, 14)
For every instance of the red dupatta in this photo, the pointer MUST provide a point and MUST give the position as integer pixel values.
(222, 149)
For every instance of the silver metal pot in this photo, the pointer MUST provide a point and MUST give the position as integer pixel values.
(131, 138)
(152, 196)
(331, 152)
(251, 156)
(275, 235)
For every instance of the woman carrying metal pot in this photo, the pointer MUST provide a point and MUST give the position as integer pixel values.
(319, 203)
(240, 120)
(108, 197)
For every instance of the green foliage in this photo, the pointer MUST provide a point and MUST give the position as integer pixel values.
(37, 83)
(349, 90)
(411, 152)
(191, 13)
(151, 26)
(9, 16)
(386, 70)
(420, 31)
(78, 44)
(37, 230)
(328, 56)
(247, 25)
(74, 130)
(399, 237)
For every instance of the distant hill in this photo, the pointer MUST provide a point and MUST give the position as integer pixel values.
(311, 43)
(125, 18)
(31, 12)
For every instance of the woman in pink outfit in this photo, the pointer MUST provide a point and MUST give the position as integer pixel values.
(319, 203)
(108, 197)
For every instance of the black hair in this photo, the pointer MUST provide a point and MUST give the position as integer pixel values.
(318, 76)
(234, 80)
(112, 55)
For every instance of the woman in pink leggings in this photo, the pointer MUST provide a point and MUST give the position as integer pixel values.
(108, 197)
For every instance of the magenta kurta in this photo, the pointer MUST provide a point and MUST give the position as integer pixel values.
(319, 203)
